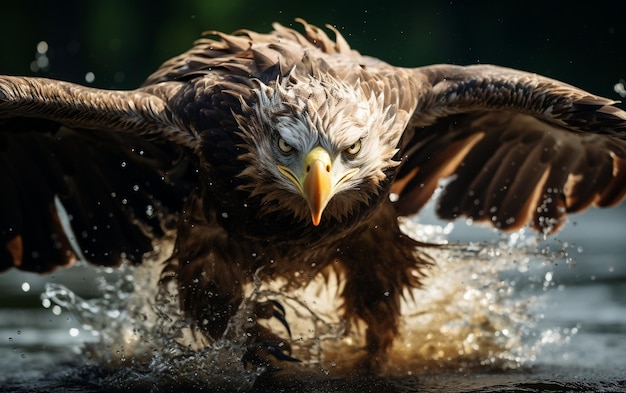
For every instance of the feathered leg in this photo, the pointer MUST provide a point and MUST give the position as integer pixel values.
(211, 272)
(379, 262)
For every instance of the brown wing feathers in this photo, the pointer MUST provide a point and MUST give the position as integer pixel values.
(118, 191)
(510, 168)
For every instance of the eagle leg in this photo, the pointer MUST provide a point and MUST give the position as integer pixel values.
(211, 294)
(207, 266)
(376, 302)
(379, 263)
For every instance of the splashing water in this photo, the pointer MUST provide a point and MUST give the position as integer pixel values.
(478, 308)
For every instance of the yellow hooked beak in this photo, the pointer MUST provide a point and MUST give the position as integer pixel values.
(315, 182)
(317, 185)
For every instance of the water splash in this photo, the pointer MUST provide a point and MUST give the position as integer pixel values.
(479, 308)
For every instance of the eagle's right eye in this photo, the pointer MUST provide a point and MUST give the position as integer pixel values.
(284, 146)
(354, 149)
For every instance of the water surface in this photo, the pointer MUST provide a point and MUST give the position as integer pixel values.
(509, 314)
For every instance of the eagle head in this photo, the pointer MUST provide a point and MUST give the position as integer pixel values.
(317, 147)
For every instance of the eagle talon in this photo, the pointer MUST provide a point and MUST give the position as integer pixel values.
(257, 354)
(272, 309)
(279, 313)
(265, 345)
(280, 355)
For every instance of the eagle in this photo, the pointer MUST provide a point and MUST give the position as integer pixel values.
(286, 155)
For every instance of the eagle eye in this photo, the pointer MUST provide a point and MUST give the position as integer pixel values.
(284, 146)
(354, 149)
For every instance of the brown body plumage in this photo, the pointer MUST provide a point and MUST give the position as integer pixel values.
(283, 155)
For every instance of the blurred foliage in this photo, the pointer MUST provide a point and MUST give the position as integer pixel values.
(123, 41)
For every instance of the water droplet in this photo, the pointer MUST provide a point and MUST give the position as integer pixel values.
(56, 310)
(90, 77)
(548, 276)
(42, 47)
(43, 62)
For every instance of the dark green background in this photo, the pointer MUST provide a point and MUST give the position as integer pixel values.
(122, 41)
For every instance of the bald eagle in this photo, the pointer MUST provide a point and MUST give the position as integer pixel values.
(286, 154)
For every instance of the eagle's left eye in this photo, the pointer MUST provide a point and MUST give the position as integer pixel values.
(354, 149)
(284, 146)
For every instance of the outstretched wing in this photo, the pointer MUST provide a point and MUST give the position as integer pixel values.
(101, 161)
(120, 162)
(515, 147)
